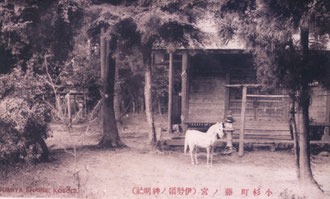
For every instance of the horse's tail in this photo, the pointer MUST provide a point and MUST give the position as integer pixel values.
(185, 144)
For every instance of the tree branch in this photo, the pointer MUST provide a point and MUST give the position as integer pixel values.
(51, 83)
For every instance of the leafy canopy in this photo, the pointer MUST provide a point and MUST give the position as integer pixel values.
(271, 31)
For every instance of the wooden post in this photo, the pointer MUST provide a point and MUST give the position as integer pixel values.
(184, 97)
(85, 102)
(241, 135)
(68, 101)
(327, 117)
(227, 98)
(170, 92)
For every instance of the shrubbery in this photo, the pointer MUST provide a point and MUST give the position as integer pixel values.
(11, 142)
(23, 118)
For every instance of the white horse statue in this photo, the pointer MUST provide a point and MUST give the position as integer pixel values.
(206, 140)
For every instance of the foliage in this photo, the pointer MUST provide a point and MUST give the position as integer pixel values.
(12, 144)
(269, 29)
(138, 26)
(27, 29)
(48, 38)
(23, 114)
(161, 81)
(131, 92)
(32, 29)
(85, 64)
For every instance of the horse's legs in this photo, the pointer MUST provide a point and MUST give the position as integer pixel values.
(212, 150)
(207, 155)
(196, 155)
(191, 150)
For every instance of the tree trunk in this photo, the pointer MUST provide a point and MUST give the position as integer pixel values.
(58, 106)
(148, 99)
(294, 132)
(141, 104)
(45, 150)
(117, 95)
(302, 117)
(103, 51)
(159, 106)
(133, 105)
(110, 131)
(305, 171)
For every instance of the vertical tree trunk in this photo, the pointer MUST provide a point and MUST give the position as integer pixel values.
(133, 105)
(45, 150)
(58, 105)
(116, 99)
(141, 103)
(184, 91)
(159, 106)
(303, 116)
(305, 171)
(148, 99)
(294, 131)
(110, 131)
(103, 51)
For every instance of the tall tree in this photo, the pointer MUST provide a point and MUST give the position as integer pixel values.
(282, 58)
(141, 26)
(110, 130)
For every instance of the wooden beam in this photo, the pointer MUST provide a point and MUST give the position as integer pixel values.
(242, 85)
(269, 96)
(205, 51)
(184, 88)
(170, 92)
(241, 136)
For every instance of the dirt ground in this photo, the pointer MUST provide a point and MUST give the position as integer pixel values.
(135, 172)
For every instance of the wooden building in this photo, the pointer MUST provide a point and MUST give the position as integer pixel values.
(216, 81)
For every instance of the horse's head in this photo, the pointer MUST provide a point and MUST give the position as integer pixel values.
(219, 126)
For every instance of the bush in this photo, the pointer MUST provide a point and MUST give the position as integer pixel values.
(11, 142)
(24, 118)
(23, 130)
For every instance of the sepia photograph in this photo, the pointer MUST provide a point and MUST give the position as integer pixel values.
(165, 99)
